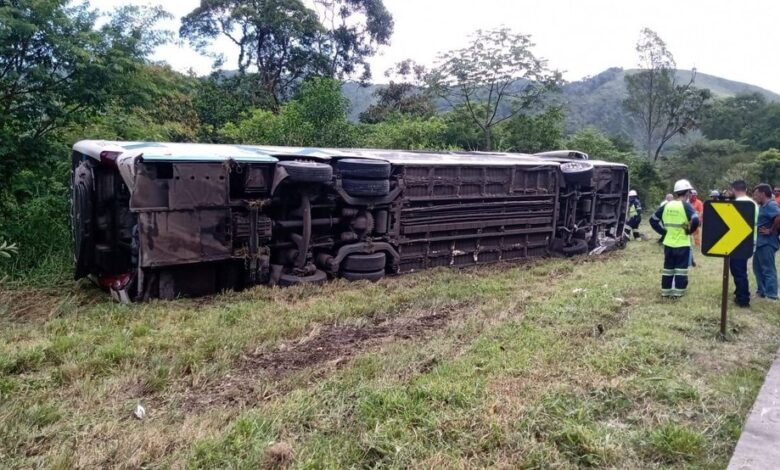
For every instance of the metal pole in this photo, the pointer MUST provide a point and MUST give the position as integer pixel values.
(724, 300)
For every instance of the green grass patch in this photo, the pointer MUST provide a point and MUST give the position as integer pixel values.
(559, 363)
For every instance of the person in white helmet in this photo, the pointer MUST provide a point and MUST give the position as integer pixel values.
(676, 221)
(634, 217)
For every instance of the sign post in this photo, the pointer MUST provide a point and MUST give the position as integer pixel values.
(724, 298)
(728, 234)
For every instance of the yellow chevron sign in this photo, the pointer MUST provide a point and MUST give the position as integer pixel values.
(728, 228)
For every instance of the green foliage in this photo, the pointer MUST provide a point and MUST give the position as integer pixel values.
(496, 72)
(593, 142)
(287, 41)
(673, 443)
(258, 127)
(405, 132)
(317, 116)
(702, 147)
(661, 107)
(708, 164)
(764, 132)
(59, 76)
(746, 118)
(220, 100)
(535, 133)
(462, 132)
(727, 118)
(398, 98)
(767, 167)
(406, 94)
(643, 174)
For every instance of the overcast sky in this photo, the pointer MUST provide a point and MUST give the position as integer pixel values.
(737, 40)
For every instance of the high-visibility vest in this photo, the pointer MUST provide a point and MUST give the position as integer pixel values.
(675, 222)
(632, 210)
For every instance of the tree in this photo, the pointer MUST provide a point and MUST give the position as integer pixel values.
(643, 174)
(533, 134)
(593, 142)
(405, 132)
(763, 131)
(317, 116)
(283, 42)
(728, 118)
(662, 107)
(495, 78)
(219, 100)
(58, 71)
(405, 95)
(768, 167)
(354, 30)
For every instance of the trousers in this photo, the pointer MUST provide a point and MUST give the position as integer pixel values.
(766, 272)
(674, 279)
(739, 271)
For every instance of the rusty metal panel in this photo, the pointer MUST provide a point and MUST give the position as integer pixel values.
(180, 237)
(468, 215)
(198, 185)
(151, 191)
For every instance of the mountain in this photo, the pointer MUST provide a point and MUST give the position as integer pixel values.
(593, 101)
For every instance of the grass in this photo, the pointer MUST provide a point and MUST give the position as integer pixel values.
(556, 363)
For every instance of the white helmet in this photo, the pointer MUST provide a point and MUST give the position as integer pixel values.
(632, 193)
(682, 185)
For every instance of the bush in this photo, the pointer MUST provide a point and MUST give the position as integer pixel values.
(405, 132)
(767, 167)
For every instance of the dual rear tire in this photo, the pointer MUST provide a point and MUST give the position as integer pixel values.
(364, 267)
(364, 177)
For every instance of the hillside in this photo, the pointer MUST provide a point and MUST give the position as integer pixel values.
(594, 101)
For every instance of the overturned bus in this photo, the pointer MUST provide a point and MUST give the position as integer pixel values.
(166, 219)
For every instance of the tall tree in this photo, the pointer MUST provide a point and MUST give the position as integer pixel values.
(283, 42)
(729, 117)
(495, 77)
(56, 68)
(354, 30)
(662, 107)
(406, 95)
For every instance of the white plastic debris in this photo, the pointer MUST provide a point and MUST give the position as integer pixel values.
(579, 291)
(140, 412)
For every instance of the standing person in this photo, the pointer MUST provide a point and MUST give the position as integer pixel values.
(767, 242)
(714, 195)
(634, 215)
(667, 199)
(777, 195)
(698, 206)
(738, 267)
(675, 221)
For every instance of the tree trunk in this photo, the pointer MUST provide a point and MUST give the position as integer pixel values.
(488, 141)
(650, 145)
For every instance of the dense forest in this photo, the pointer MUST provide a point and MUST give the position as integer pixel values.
(68, 72)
